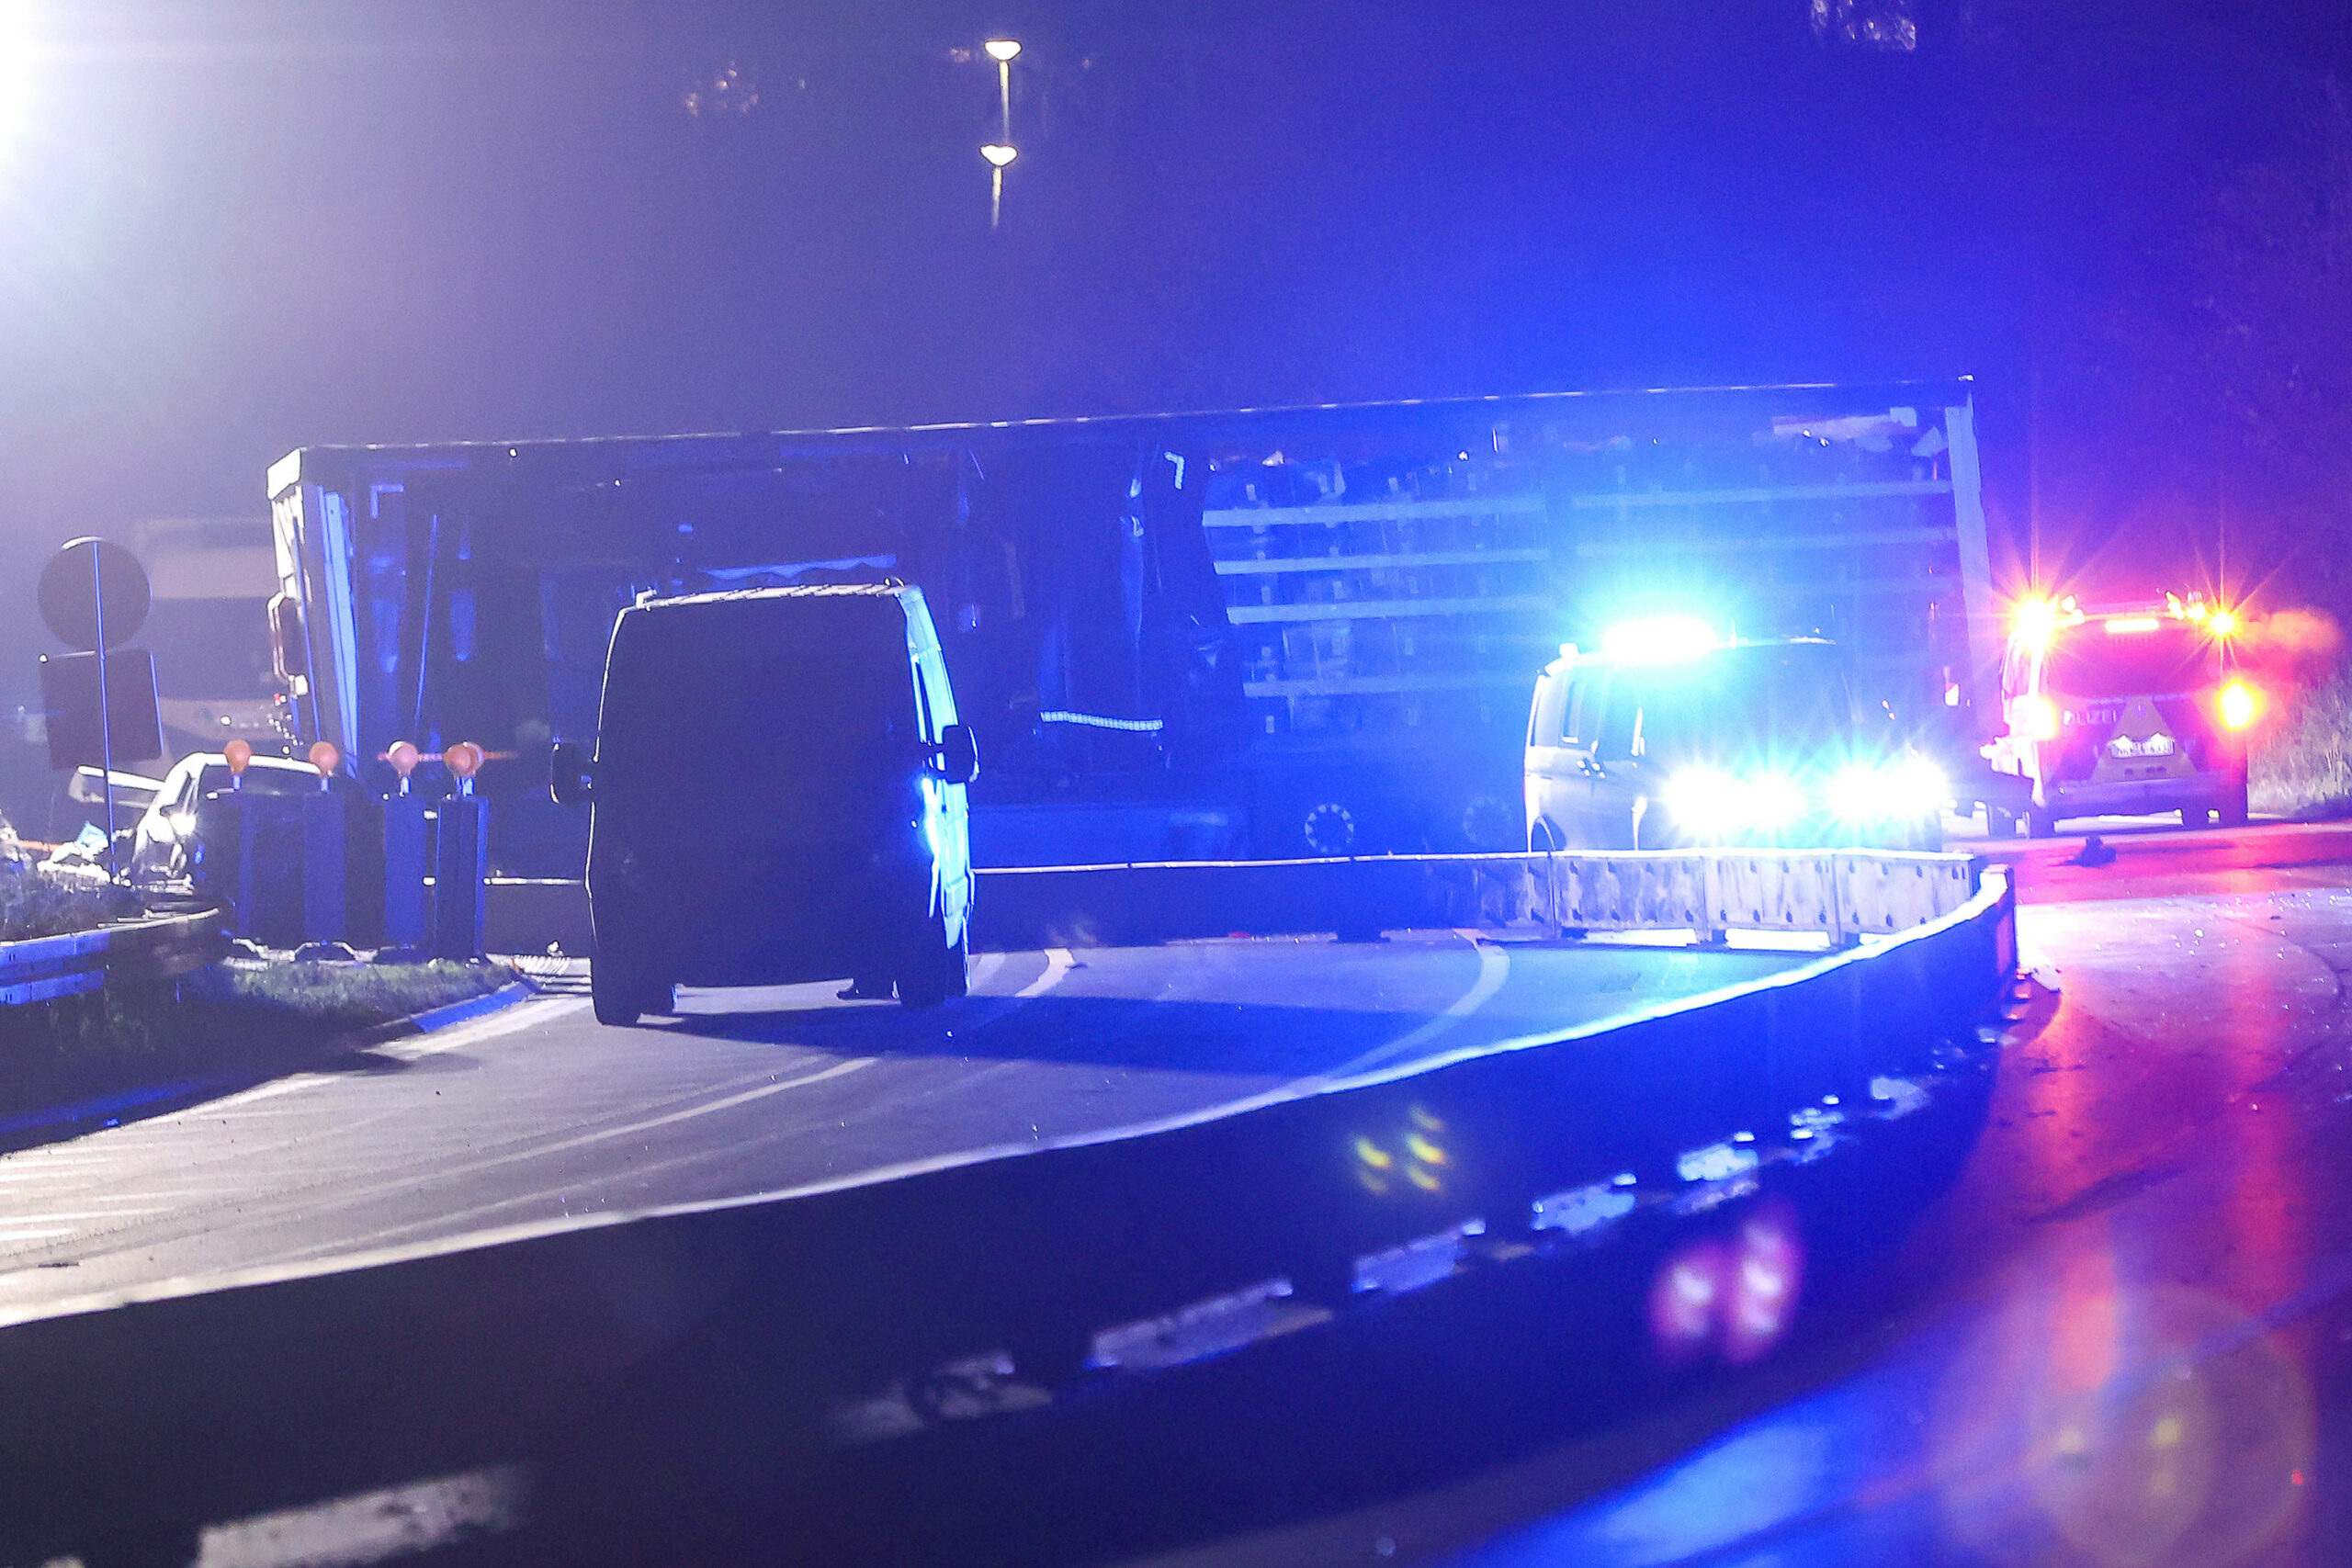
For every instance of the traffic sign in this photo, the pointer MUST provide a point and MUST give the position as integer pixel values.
(89, 582)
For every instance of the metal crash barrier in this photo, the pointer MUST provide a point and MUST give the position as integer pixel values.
(1843, 893)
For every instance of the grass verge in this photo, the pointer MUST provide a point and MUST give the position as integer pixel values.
(33, 905)
(233, 1019)
(2302, 762)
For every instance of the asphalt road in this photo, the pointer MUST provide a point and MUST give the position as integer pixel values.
(2125, 1338)
(538, 1116)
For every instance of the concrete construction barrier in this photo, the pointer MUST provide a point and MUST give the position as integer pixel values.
(1386, 1273)
(1844, 894)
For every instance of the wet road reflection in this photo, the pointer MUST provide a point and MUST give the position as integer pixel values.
(2124, 1336)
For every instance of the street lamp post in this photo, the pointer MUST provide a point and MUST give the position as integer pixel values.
(998, 154)
(1005, 51)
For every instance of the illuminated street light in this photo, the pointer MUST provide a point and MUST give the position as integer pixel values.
(998, 154)
(1003, 50)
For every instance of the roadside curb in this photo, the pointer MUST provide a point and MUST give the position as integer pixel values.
(447, 1015)
(103, 1110)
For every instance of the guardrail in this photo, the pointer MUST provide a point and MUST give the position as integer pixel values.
(41, 969)
(1381, 1272)
(1844, 894)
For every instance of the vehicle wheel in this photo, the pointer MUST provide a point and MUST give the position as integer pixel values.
(615, 990)
(2039, 824)
(2233, 813)
(934, 971)
(1999, 823)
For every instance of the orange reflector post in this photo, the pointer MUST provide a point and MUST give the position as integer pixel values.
(2241, 704)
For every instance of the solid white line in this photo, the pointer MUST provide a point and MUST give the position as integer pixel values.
(1494, 968)
(1057, 965)
(984, 969)
(35, 1235)
(266, 1091)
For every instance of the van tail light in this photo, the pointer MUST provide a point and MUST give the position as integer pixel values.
(2241, 704)
(2033, 718)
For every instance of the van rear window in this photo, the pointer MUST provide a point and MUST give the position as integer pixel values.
(796, 717)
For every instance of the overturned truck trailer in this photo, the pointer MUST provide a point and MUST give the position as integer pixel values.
(1264, 632)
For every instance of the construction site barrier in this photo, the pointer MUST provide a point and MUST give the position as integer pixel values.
(1842, 893)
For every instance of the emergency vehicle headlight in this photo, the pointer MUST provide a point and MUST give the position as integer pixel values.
(1707, 801)
(1913, 787)
(1704, 800)
(2241, 704)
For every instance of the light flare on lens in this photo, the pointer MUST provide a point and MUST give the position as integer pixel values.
(1774, 800)
(1704, 800)
(1658, 639)
(1918, 787)
(1684, 1298)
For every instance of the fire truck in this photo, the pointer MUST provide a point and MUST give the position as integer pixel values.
(2125, 709)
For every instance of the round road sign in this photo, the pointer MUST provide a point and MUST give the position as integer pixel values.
(69, 585)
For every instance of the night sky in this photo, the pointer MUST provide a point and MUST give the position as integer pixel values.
(232, 228)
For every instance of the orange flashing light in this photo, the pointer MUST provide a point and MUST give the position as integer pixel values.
(2241, 704)
(326, 756)
(239, 755)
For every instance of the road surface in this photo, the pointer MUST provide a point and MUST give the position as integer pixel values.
(2126, 1336)
(539, 1115)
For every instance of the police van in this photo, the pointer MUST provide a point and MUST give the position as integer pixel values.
(2125, 710)
(1668, 737)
